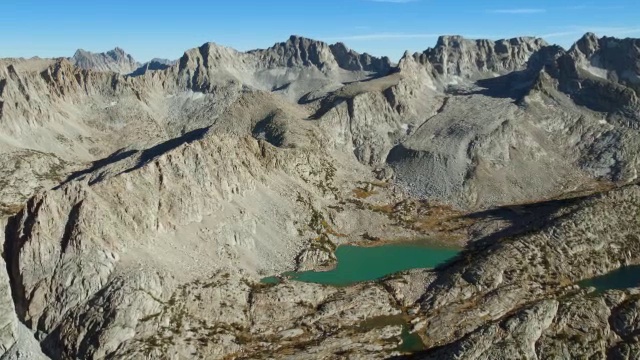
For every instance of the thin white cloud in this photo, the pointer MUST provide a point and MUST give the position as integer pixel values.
(591, 7)
(558, 34)
(517, 11)
(613, 31)
(383, 36)
(577, 31)
(394, 1)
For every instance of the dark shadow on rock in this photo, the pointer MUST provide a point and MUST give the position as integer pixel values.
(524, 218)
(332, 99)
(52, 344)
(96, 165)
(152, 65)
(16, 234)
(267, 130)
(521, 219)
(144, 157)
(149, 154)
(281, 87)
(373, 76)
(514, 86)
(70, 226)
(326, 105)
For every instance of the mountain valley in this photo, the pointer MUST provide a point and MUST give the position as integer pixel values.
(141, 205)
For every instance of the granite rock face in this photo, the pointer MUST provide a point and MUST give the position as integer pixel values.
(303, 52)
(553, 111)
(154, 65)
(562, 242)
(457, 57)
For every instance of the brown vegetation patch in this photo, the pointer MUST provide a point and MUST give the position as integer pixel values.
(361, 193)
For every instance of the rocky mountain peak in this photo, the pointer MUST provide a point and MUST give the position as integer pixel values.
(119, 54)
(455, 55)
(409, 61)
(449, 40)
(297, 39)
(139, 214)
(350, 60)
(296, 51)
(116, 60)
(607, 61)
(588, 44)
(299, 51)
(209, 55)
(154, 65)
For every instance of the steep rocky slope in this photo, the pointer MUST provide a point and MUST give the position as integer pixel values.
(154, 65)
(517, 299)
(528, 134)
(139, 211)
(455, 57)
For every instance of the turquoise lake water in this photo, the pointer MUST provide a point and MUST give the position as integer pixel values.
(622, 278)
(410, 342)
(357, 264)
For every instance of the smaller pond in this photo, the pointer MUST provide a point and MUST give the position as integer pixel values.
(411, 342)
(625, 277)
(358, 264)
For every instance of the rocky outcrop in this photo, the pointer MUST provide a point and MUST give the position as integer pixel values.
(115, 60)
(598, 73)
(154, 65)
(78, 241)
(299, 51)
(23, 173)
(457, 57)
(293, 68)
(572, 240)
(613, 59)
(350, 60)
(521, 333)
(597, 113)
(9, 324)
(144, 201)
(474, 145)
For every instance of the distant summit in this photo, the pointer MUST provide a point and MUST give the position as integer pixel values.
(116, 60)
(154, 64)
(301, 51)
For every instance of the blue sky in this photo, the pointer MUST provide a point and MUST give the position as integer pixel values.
(148, 29)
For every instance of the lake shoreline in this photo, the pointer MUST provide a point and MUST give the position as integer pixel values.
(357, 264)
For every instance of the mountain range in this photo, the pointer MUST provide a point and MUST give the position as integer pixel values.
(141, 204)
